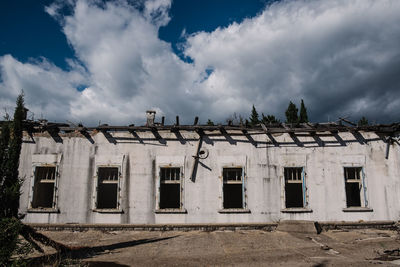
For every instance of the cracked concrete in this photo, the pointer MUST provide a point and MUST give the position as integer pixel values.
(359, 247)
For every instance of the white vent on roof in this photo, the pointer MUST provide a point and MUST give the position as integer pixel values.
(150, 115)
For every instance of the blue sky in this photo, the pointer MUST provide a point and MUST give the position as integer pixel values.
(90, 60)
(196, 16)
(27, 31)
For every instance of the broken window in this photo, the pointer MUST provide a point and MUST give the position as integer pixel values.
(170, 188)
(233, 190)
(107, 188)
(354, 186)
(44, 187)
(294, 187)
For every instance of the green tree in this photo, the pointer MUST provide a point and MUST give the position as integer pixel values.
(291, 113)
(269, 119)
(363, 122)
(210, 122)
(10, 228)
(4, 143)
(10, 186)
(254, 120)
(235, 119)
(303, 117)
(14, 150)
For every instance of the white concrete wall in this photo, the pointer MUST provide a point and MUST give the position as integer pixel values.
(263, 163)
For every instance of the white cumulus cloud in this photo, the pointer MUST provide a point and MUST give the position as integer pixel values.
(341, 56)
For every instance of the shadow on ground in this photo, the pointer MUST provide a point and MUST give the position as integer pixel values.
(82, 253)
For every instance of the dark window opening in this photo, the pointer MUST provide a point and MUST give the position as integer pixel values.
(43, 190)
(107, 188)
(294, 188)
(233, 188)
(170, 188)
(294, 195)
(170, 197)
(353, 186)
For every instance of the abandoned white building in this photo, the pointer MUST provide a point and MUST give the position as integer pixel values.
(159, 174)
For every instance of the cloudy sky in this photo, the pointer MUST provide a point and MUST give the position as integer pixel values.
(110, 61)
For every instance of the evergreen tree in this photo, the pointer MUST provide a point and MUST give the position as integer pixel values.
(10, 148)
(303, 117)
(210, 123)
(4, 143)
(254, 120)
(235, 119)
(291, 113)
(10, 186)
(363, 122)
(269, 119)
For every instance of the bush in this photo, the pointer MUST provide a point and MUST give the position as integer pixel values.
(9, 230)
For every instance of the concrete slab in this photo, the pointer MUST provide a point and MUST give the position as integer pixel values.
(230, 248)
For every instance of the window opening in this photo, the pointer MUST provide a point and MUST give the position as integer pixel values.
(354, 184)
(107, 188)
(170, 188)
(294, 187)
(44, 187)
(233, 188)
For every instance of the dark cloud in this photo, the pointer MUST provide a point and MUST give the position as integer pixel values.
(341, 56)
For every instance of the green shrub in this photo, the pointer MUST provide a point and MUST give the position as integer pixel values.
(9, 230)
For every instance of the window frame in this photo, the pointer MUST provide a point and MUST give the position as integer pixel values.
(305, 192)
(96, 181)
(364, 202)
(54, 207)
(244, 208)
(181, 208)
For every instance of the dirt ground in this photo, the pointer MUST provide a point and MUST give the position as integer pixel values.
(362, 247)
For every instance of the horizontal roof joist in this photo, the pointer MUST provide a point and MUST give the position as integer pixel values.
(271, 129)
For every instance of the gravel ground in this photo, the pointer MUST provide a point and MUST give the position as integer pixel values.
(240, 248)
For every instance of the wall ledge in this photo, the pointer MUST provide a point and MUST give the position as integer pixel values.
(268, 226)
(234, 211)
(108, 210)
(296, 210)
(154, 227)
(43, 210)
(347, 225)
(357, 209)
(170, 211)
